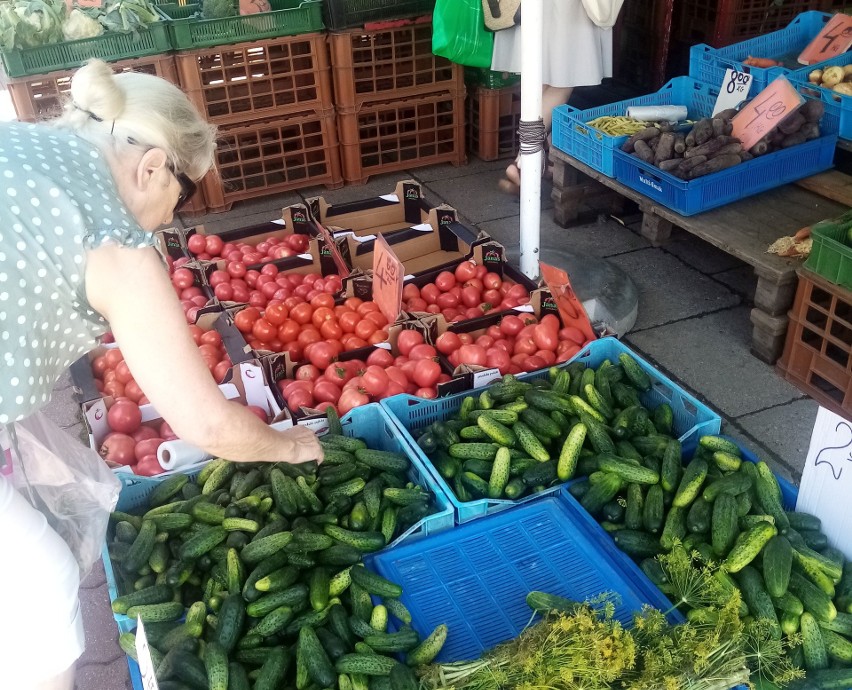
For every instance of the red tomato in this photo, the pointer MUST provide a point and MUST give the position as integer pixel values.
(395, 374)
(430, 293)
(377, 318)
(339, 373)
(276, 313)
(448, 342)
(472, 354)
(492, 297)
(568, 354)
(356, 343)
(118, 448)
(551, 322)
(321, 355)
(379, 336)
(465, 271)
(517, 291)
(375, 380)
(218, 277)
(492, 281)
(511, 325)
(183, 278)
(331, 330)
(287, 386)
(264, 331)
(533, 363)
(394, 388)
(499, 359)
(494, 332)
(288, 331)
(147, 447)
(326, 391)
(214, 245)
(485, 341)
(245, 318)
(122, 373)
(294, 351)
(148, 466)
(445, 281)
(422, 351)
(166, 432)
(572, 334)
(380, 357)
(302, 313)
(307, 336)
(466, 338)
(427, 393)
(350, 399)
(433, 309)
(323, 407)
(364, 329)
(545, 337)
(503, 344)
(426, 373)
(221, 370)
(410, 291)
(300, 398)
(322, 314)
(525, 346)
(237, 269)
(308, 372)
(407, 339)
(196, 243)
(258, 412)
(548, 356)
(480, 272)
(113, 357)
(124, 417)
(447, 301)
(143, 433)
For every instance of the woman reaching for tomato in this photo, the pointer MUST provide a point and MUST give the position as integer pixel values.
(78, 203)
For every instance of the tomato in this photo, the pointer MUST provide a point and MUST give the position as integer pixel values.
(224, 292)
(294, 351)
(237, 269)
(300, 398)
(533, 363)
(147, 447)
(214, 245)
(122, 373)
(447, 301)
(307, 336)
(196, 243)
(525, 346)
(143, 433)
(568, 354)
(308, 372)
(221, 370)
(551, 322)
(445, 281)
(364, 329)
(422, 351)
(350, 399)
(380, 357)
(356, 343)
(470, 297)
(258, 412)
(183, 278)
(124, 417)
(465, 271)
(338, 373)
(426, 373)
(166, 433)
(113, 357)
(376, 317)
(288, 331)
(430, 293)
(245, 318)
(263, 330)
(321, 355)
(492, 297)
(99, 366)
(472, 354)
(499, 359)
(322, 300)
(572, 334)
(511, 325)
(433, 309)
(410, 291)
(492, 281)
(407, 339)
(395, 374)
(302, 313)
(485, 341)
(503, 344)
(545, 337)
(448, 342)
(287, 386)
(241, 294)
(326, 391)
(331, 330)
(547, 356)
(465, 338)
(375, 380)
(517, 291)
(118, 448)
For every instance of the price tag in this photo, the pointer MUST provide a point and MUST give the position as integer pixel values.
(334, 250)
(570, 308)
(827, 478)
(735, 88)
(484, 377)
(387, 280)
(765, 112)
(833, 40)
(143, 653)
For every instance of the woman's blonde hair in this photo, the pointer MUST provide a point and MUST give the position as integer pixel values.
(143, 108)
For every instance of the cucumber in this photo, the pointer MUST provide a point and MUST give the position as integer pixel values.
(383, 460)
(365, 664)
(715, 443)
(218, 477)
(570, 453)
(598, 435)
(843, 592)
(629, 472)
(156, 613)
(548, 401)
(473, 433)
(747, 546)
(402, 678)
(777, 565)
(724, 530)
(635, 373)
(502, 416)
(541, 423)
(311, 653)
(789, 622)
(475, 451)
(429, 648)
(671, 466)
(816, 657)
(392, 643)
(732, 484)
(232, 617)
(499, 473)
(334, 426)
(167, 489)
(789, 603)
(374, 583)
(156, 594)
(815, 601)
(363, 541)
(633, 511)
(542, 602)
(653, 513)
(597, 401)
(637, 544)
(674, 529)
(530, 442)
(216, 664)
(813, 539)
(140, 551)
(837, 646)
(769, 495)
(259, 549)
(690, 484)
(601, 493)
(318, 588)
(830, 679)
(756, 598)
(842, 624)
(804, 521)
(340, 442)
(726, 461)
(698, 517)
(663, 419)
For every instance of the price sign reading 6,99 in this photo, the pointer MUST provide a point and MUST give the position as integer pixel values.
(388, 276)
(764, 112)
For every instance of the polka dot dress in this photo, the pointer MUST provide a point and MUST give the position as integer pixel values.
(57, 199)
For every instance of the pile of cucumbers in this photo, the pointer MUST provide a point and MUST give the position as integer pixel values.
(251, 576)
(520, 437)
(730, 512)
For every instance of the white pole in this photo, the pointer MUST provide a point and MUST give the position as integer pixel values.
(531, 71)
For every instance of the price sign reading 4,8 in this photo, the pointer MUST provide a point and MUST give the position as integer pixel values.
(388, 276)
(764, 112)
(834, 39)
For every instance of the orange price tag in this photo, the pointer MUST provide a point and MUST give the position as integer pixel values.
(764, 112)
(833, 40)
(387, 280)
(570, 307)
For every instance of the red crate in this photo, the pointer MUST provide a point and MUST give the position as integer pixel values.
(273, 155)
(817, 355)
(722, 22)
(391, 63)
(233, 84)
(42, 96)
(386, 136)
(493, 116)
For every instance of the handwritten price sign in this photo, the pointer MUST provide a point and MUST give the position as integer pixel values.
(735, 89)
(570, 308)
(765, 112)
(833, 40)
(146, 666)
(388, 276)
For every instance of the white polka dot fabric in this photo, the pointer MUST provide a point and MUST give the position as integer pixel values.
(57, 199)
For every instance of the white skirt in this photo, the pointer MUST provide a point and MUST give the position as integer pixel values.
(576, 51)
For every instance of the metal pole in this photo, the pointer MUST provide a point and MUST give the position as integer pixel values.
(531, 71)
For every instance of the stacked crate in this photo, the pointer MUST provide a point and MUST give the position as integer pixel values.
(493, 114)
(398, 105)
(272, 103)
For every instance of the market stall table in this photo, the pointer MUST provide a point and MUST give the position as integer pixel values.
(743, 229)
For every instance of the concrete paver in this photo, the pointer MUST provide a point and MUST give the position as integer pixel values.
(710, 354)
(740, 280)
(101, 633)
(701, 255)
(109, 676)
(685, 292)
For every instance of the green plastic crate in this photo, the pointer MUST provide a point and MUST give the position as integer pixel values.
(830, 256)
(110, 46)
(287, 18)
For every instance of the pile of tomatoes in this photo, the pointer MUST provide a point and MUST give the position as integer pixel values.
(466, 293)
(315, 329)
(414, 369)
(213, 248)
(519, 343)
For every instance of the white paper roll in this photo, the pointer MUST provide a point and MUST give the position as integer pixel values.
(658, 113)
(173, 455)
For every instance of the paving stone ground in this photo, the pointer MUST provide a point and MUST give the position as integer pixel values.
(693, 324)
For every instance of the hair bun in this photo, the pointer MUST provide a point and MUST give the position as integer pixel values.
(94, 89)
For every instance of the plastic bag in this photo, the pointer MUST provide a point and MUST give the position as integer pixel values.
(67, 482)
(459, 33)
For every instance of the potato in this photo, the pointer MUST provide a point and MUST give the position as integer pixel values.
(815, 77)
(844, 88)
(832, 76)
(847, 70)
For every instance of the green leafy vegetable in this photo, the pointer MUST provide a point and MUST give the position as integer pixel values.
(30, 23)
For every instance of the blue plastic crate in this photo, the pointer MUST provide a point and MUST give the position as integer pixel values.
(369, 422)
(594, 148)
(475, 578)
(691, 419)
(800, 77)
(708, 65)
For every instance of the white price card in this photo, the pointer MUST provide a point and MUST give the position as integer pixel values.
(827, 479)
(483, 378)
(734, 90)
(143, 653)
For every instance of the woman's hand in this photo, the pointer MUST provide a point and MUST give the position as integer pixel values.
(306, 445)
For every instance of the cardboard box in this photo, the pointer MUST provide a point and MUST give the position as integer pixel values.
(440, 242)
(171, 243)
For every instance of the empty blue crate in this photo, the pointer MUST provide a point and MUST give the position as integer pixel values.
(800, 77)
(692, 419)
(593, 147)
(475, 578)
(370, 423)
(708, 65)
